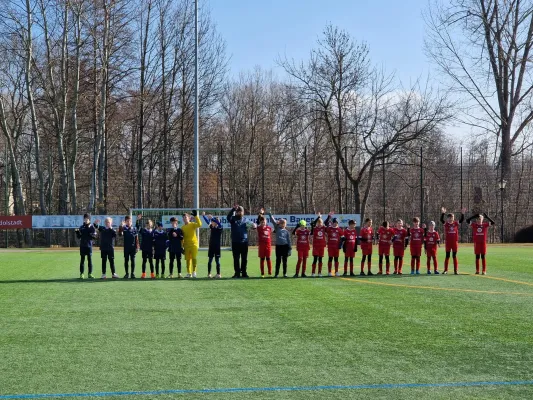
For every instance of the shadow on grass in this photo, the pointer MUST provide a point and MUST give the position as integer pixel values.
(206, 279)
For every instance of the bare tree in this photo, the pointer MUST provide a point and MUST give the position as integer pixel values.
(359, 108)
(484, 48)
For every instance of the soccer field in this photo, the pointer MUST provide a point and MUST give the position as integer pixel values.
(426, 337)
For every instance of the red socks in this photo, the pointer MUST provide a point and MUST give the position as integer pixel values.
(262, 266)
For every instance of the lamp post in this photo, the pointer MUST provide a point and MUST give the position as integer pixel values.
(345, 150)
(501, 185)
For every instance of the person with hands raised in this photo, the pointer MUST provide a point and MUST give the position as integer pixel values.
(264, 237)
(239, 240)
(480, 230)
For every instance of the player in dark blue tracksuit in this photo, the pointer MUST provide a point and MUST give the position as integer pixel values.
(239, 240)
(175, 249)
(107, 245)
(147, 245)
(160, 249)
(131, 245)
(86, 233)
(214, 243)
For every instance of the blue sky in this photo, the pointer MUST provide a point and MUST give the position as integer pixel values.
(258, 31)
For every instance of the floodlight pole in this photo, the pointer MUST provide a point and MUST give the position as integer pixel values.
(196, 189)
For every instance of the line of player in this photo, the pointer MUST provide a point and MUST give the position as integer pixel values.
(154, 244)
(328, 234)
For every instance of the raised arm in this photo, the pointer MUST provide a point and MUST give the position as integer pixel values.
(442, 220)
(489, 219)
(197, 220)
(230, 215)
(260, 214)
(469, 219)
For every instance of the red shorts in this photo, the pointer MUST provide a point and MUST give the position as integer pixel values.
(431, 251)
(264, 251)
(398, 251)
(383, 250)
(480, 248)
(318, 251)
(350, 251)
(366, 249)
(333, 251)
(452, 246)
(303, 253)
(416, 251)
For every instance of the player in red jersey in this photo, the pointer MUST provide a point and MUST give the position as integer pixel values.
(480, 230)
(334, 233)
(349, 246)
(451, 232)
(367, 236)
(385, 235)
(416, 242)
(264, 238)
(399, 245)
(302, 246)
(318, 233)
(431, 242)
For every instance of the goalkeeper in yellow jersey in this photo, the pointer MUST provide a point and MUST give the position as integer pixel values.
(190, 242)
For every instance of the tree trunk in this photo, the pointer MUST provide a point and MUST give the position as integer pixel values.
(31, 105)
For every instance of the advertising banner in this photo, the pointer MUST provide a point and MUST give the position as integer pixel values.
(75, 221)
(69, 221)
(15, 222)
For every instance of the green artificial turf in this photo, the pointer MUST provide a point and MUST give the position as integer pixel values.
(62, 335)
